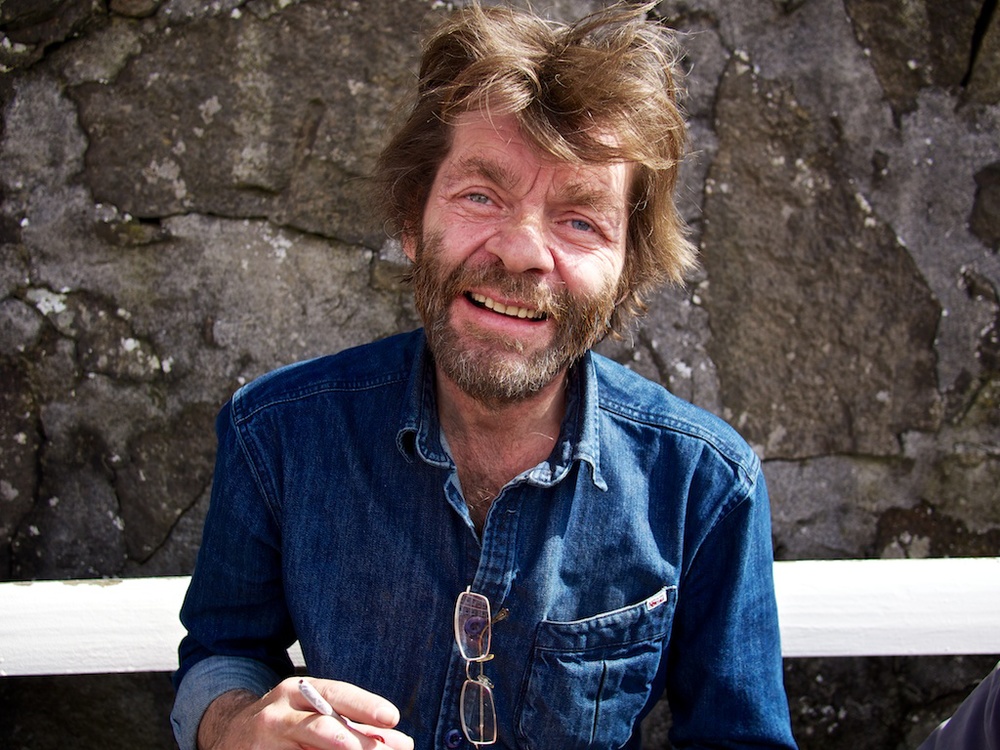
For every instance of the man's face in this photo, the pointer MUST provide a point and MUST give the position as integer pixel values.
(517, 269)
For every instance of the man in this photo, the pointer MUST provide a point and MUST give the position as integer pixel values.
(482, 532)
(975, 725)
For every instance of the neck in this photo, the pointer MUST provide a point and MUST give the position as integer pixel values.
(493, 443)
(466, 418)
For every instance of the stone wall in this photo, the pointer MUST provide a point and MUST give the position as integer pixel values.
(182, 208)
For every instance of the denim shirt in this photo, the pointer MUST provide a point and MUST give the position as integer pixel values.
(636, 559)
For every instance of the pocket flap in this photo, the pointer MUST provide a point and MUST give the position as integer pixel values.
(643, 621)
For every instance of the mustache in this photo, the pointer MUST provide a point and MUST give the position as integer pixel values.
(580, 317)
(524, 289)
(438, 288)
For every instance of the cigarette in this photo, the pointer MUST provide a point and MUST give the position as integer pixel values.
(323, 706)
(317, 701)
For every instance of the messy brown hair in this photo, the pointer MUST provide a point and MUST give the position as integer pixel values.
(567, 85)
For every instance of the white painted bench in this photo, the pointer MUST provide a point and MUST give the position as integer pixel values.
(826, 608)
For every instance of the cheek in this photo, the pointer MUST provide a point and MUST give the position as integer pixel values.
(592, 274)
(461, 240)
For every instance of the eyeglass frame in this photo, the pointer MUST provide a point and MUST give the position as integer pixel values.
(480, 682)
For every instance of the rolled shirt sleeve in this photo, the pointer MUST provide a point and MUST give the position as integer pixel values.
(205, 681)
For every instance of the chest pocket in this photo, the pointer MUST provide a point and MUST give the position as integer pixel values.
(589, 679)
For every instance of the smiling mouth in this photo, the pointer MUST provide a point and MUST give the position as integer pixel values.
(511, 311)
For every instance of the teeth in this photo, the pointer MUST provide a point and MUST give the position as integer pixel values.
(510, 310)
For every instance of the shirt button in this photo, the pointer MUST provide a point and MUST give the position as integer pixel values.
(453, 739)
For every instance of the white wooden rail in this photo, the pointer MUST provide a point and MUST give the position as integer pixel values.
(826, 608)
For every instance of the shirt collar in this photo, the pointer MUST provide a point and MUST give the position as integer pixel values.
(419, 433)
(579, 439)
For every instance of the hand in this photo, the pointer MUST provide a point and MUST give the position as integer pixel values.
(284, 720)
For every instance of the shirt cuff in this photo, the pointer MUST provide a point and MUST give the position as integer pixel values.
(206, 681)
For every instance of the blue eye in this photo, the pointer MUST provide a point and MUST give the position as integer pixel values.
(581, 225)
(478, 198)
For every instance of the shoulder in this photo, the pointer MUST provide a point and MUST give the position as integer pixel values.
(626, 396)
(362, 368)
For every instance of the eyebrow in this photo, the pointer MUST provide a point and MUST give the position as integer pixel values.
(581, 194)
(489, 169)
(571, 193)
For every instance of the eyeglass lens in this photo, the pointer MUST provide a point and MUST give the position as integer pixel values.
(479, 717)
(472, 626)
(473, 633)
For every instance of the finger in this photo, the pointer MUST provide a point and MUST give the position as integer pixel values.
(358, 704)
(316, 699)
(280, 724)
(326, 733)
(324, 725)
(383, 736)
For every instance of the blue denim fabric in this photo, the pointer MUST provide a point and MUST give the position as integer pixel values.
(637, 559)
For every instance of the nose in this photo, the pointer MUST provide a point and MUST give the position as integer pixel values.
(522, 246)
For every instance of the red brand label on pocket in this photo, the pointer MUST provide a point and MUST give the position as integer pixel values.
(656, 599)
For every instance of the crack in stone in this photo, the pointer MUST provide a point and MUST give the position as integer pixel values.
(979, 33)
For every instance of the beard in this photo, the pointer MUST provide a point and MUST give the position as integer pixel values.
(493, 368)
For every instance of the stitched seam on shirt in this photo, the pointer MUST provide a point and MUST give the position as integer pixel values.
(734, 501)
(270, 500)
(615, 646)
(303, 393)
(746, 464)
(663, 421)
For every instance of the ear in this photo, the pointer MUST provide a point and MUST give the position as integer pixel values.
(409, 242)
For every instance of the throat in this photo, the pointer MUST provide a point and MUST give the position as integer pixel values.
(491, 447)
(478, 500)
(484, 468)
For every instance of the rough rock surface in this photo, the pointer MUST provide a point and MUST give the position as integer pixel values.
(183, 208)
